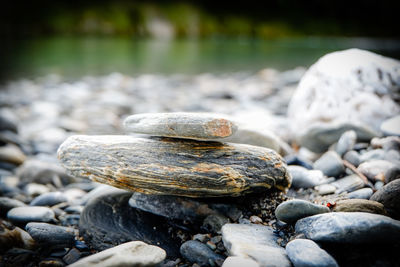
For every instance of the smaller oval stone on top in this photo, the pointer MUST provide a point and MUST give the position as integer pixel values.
(198, 126)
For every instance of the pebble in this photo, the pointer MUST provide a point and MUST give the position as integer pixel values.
(353, 157)
(363, 193)
(292, 210)
(330, 164)
(7, 204)
(197, 252)
(14, 237)
(8, 123)
(392, 174)
(375, 169)
(298, 160)
(349, 227)
(201, 237)
(237, 261)
(174, 166)
(391, 126)
(325, 189)
(72, 256)
(304, 252)
(51, 263)
(256, 241)
(303, 178)
(346, 142)
(255, 219)
(23, 215)
(359, 205)
(373, 154)
(214, 222)
(52, 235)
(389, 196)
(33, 189)
(134, 253)
(49, 199)
(198, 126)
(12, 154)
(348, 183)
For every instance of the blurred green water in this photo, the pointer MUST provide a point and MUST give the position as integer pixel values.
(78, 56)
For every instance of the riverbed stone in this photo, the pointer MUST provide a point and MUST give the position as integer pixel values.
(303, 178)
(236, 261)
(330, 164)
(7, 204)
(349, 227)
(359, 205)
(198, 126)
(325, 97)
(391, 126)
(12, 154)
(389, 196)
(346, 142)
(169, 166)
(199, 253)
(49, 199)
(375, 169)
(255, 241)
(363, 193)
(305, 252)
(353, 157)
(134, 253)
(52, 235)
(292, 210)
(23, 215)
(348, 183)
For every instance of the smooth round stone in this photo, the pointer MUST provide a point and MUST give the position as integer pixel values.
(23, 215)
(372, 155)
(325, 189)
(392, 174)
(198, 126)
(237, 261)
(348, 184)
(303, 178)
(169, 166)
(330, 164)
(350, 227)
(12, 154)
(52, 235)
(363, 193)
(387, 143)
(346, 142)
(8, 123)
(108, 221)
(353, 157)
(391, 126)
(359, 205)
(389, 196)
(375, 169)
(49, 199)
(7, 204)
(214, 222)
(292, 210)
(135, 253)
(199, 253)
(304, 252)
(33, 189)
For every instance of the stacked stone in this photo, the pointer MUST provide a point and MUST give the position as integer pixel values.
(182, 158)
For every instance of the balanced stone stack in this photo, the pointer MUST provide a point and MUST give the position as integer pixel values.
(183, 157)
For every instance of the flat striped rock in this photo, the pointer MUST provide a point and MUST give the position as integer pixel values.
(198, 126)
(170, 166)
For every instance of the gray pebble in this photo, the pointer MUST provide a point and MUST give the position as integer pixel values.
(292, 210)
(389, 196)
(346, 142)
(304, 252)
(353, 157)
(330, 164)
(392, 174)
(23, 215)
(52, 235)
(49, 199)
(363, 193)
(197, 252)
(348, 184)
(72, 256)
(303, 178)
(375, 169)
(214, 222)
(7, 204)
(373, 154)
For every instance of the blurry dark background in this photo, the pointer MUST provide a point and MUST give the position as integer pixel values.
(96, 37)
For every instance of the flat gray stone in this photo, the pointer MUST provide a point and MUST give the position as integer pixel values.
(363, 193)
(198, 126)
(23, 215)
(49, 199)
(359, 205)
(292, 210)
(330, 164)
(50, 234)
(305, 252)
(375, 169)
(134, 253)
(255, 241)
(350, 227)
(348, 183)
(197, 252)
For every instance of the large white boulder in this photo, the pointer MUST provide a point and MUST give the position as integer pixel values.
(350, 89)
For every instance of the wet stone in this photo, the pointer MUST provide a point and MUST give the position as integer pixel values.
(198, 126)
(349, 227)
(388, 195)
(330, 164)
(23, 215)
(293, 210)
(199, 253)
(304, 252)
(52, 235)
(135, 253)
